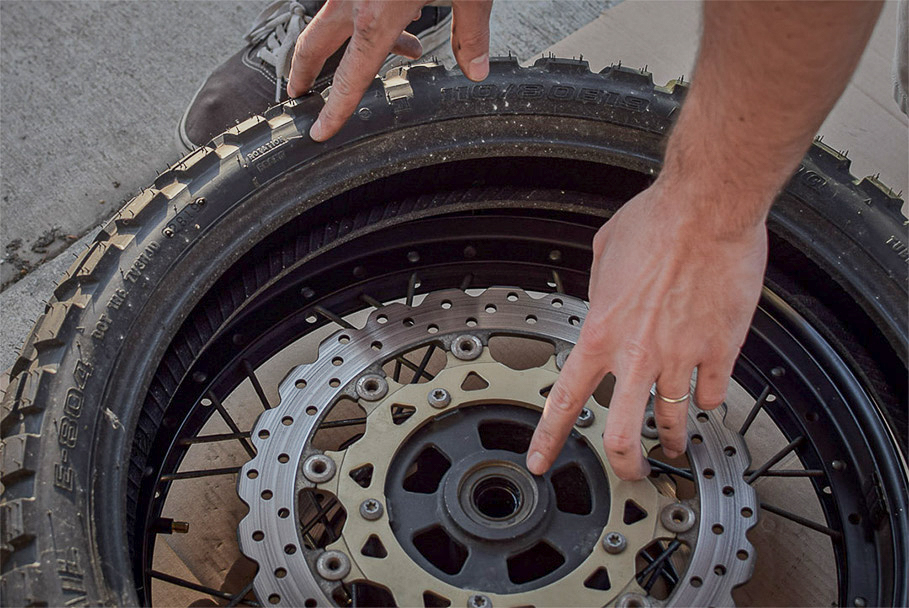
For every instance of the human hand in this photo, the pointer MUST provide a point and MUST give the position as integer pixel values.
(668, 293)
(376, 28)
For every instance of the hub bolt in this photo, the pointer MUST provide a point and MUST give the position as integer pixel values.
(677, 517)
(371, 387)
(318, 468)
(466, 347)
(439, 398)
(478, 600)
(614, 542)
(585, 418)
(371, 509)
(333, 565)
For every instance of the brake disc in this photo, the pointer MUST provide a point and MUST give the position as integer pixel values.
(439, 507)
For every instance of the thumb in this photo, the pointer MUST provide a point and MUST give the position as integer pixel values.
(580, 376)
(470, 36)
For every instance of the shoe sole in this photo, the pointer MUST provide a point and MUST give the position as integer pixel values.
(431, 39)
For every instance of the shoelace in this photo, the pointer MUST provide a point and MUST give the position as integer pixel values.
(278, 26)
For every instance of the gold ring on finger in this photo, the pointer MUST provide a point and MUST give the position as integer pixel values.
(681, 399)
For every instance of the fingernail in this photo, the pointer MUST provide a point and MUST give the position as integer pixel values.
(535, 463)
(478, 69)
(315, 132)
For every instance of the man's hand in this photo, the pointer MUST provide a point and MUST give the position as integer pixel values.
(375, 29)
(666, 297)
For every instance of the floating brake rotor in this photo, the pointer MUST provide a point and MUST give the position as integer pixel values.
(436, 507)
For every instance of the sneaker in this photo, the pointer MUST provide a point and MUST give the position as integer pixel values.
(256, 77)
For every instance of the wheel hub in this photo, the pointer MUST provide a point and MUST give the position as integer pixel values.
(437, 500)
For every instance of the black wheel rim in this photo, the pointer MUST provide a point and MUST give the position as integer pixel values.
(784, 357)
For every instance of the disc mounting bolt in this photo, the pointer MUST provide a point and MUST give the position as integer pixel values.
(585, 418)
(466, 347)
(372, 387)
(614, 542)
(371, 509)
(333, 565)
(478, 600)
(439, 398)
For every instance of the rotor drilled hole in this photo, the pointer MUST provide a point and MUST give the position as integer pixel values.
(697, 439)
(283, 458)
(446, 304)
(717, 529)
(719, 569)
(312, 410)
(408, 322)
(290, 549)
(274, 598)
(531, 319)
(334, 383)
(287, 421)
(280, 572)
(264, 434)
(574, 321)
(382, 319)
(728, 491)
(311, 603)
(301, 383)
(267, 494)
(258, 535)
(512, 297)
(729, 451)
(344, 339)
(696, 581)
(471, 322)
(283, 513)
(741, 554)
(702, 417)
(746, 512)
(432, 328)
(491, 308)
(557, 303)
(376, 345)
(252, 473)
(311, 318)
(337, 361)
(709, 473)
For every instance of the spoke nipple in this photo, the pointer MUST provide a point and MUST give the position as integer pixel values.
(333, 565)
(319, 468)
(478, 600)
(439, 398)
(561, 357)
(466, 347)
(677, 517)
(372, 387)
(860, 602)
(838, 465)
(614, 542)
(585, 418)
(179, 527)
(371, 509)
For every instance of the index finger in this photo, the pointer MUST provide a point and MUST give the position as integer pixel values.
(579, 377)
(372, 40)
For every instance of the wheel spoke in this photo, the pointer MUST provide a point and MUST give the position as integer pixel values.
(774, 459)
(662, 467)
(834, 534)
(791, 473)
(654, 569)
(175, 580)
(421, 370)
(238, 597)
(229, 421)
(214, 438)
(200, 473)
(755, 409)
(257, 386)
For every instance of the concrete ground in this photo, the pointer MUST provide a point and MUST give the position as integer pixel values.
(92, 93)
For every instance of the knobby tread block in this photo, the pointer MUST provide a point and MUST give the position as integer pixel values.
(18, 457)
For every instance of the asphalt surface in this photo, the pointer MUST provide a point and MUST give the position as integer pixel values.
(91, 96)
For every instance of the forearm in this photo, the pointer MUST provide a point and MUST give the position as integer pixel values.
(767, 75)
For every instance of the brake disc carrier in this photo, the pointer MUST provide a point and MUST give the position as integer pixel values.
(439, 506)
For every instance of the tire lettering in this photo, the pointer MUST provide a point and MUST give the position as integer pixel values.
(555, 92)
